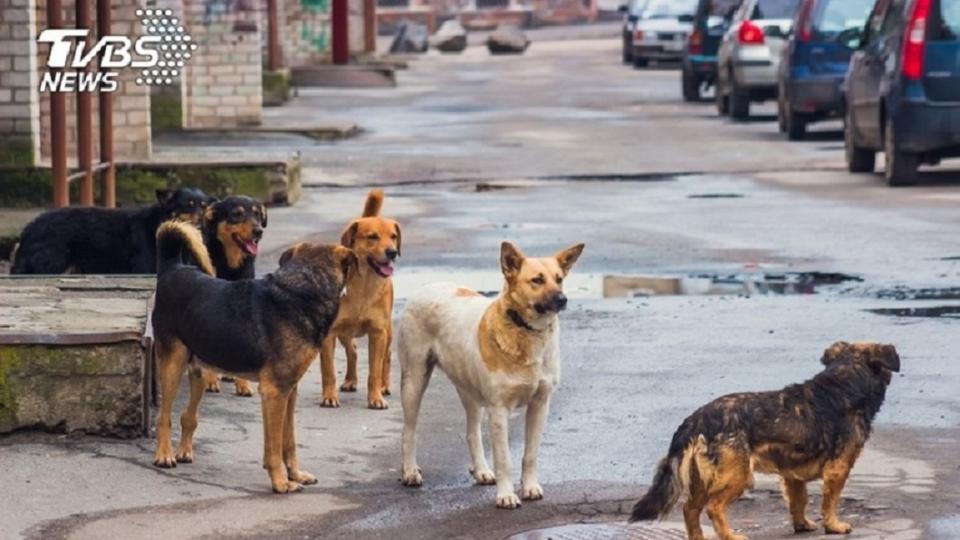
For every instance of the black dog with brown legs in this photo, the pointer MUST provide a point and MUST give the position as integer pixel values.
(103, 240)
(232, 229)
(268, 330)
(804, 432)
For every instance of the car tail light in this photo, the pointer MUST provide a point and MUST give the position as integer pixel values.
(804, 22)
(638, 35)
(695, 42)
(750, 34)
(916, 41)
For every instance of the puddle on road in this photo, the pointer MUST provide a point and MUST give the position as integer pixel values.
(594, 285)
(598, 531)
(716, 196)
(906, 293)
(932, 312)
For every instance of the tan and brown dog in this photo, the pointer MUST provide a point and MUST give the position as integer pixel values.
(366, 308)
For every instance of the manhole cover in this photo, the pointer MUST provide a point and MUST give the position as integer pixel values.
(605, 531)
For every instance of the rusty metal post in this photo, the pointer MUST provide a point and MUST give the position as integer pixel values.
(58, 122)
(108, 186)
(274, 59)
(339, 26)
(370, 26)
(85, 113)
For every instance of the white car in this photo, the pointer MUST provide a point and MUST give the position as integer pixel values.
(661, 31)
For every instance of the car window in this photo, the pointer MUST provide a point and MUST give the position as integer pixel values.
(833, 18)
(775, 9)
(721, 8)
(875, 23)
(637, 7)
(945, 20)
(668, 9)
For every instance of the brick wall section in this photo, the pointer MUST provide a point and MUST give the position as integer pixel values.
(305, 32)
(131, 103)
(19, 98)
(222, 81)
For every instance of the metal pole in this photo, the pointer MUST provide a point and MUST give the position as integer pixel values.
(58, 122)
(274, 59)
(340, 23)
(85, 114)
(370, 26)
(109, 181)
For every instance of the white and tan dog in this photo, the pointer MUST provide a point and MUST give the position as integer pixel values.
(500, 355)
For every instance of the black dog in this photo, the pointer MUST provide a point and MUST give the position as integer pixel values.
(803, 432)
(269, 330)
(103, 240)
(232, 229)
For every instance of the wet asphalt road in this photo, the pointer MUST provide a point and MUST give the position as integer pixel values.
(632, 368)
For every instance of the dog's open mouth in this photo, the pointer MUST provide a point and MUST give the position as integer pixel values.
(384, 270)
(249, 247)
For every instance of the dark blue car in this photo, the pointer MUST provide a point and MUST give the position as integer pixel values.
(902, 92)
(815, 61)
(700, 53)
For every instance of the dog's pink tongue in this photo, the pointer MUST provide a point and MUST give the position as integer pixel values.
(386, 269)
(251, 247)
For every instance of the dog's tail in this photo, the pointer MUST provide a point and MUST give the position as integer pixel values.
(669, 483)
(179, 243)
(371, 208)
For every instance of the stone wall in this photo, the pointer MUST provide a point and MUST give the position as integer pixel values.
(19, 98)
(306, 35)
(222, 84)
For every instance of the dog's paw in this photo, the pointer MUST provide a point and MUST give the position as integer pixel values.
(164, 459)
(287, 487)
(302, 477)
(837, 527)
(508, 501)
(243, 388)
(212, 387)
(484, 477)
(805, 526)
(348, 386)
(385, 391)
(184, 455)
(413, 478)
(377, 403)
(330, 401)
(533, 492)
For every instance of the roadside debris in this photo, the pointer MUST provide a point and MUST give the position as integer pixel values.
(411, 37)
(507, 40)
(450, 38)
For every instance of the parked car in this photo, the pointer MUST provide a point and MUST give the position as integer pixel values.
(700, 56)
(631, 14)
(815, 62)
(902, 93)
(749, 57)
(661, 31)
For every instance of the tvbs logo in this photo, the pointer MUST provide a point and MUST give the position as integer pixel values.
(160, 56)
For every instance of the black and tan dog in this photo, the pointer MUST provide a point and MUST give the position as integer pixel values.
(232, 229)
(268, 330)
(103, 240)
(804, 432)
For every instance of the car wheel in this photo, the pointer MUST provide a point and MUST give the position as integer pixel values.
(796, 125)
(859, 159)
(691, 86)
(639, 62)
(901, 167)
(627, 53)
(723, 102)
(781, 114)
(739, 101)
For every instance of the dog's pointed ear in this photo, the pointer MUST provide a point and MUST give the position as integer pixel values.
(511, 259)
(835, 352)
(263, 214)
(163, 195)
(568, 257)
(349, 235)
(396, 227)
(290, 253)
(347, 259)
(885, 357)
(210, 213)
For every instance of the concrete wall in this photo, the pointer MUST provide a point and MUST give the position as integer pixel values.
(19, 98)
(222, 84)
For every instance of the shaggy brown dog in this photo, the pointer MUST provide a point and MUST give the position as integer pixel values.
(804, 432)
(367, 307)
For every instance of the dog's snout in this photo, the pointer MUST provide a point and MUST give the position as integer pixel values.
(560, 301)
(258, 232)
(391, 253)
